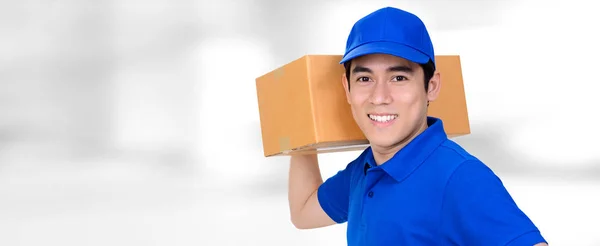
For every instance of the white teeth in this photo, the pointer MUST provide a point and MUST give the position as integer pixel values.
(382, 118)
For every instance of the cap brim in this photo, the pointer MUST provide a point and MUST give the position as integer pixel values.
(389, 48)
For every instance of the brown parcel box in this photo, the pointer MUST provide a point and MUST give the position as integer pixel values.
(303, 107)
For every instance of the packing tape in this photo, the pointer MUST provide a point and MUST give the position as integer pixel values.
(284, 145)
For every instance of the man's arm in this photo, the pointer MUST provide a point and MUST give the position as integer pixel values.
(304, 181)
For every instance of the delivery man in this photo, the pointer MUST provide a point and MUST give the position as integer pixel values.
(412, 185)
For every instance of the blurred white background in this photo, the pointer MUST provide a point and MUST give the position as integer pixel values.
(136, 122)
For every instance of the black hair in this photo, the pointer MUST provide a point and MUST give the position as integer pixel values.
(428, 70)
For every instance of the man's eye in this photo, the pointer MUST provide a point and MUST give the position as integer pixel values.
(363, 79)
(399, 78)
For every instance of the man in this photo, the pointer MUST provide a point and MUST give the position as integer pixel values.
(412, 185)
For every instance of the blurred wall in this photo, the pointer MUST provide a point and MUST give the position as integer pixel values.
(135, 122)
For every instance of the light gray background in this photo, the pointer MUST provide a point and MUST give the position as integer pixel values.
(136, 122)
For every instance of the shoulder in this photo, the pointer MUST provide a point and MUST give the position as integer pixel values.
(359, 162)
(467, 177)
(455, 152)
(451, 157)
(464, 166)
(465, 161)
(352, 168)
(461, 171)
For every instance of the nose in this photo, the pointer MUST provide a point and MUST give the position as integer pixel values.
(381, 94)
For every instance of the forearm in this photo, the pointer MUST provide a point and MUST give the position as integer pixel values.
(304, 180)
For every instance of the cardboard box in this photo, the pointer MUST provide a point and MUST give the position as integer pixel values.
(303, 107)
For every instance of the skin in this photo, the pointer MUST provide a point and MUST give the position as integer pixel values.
(385, 84)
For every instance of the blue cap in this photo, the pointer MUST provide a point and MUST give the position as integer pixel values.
(390, 31)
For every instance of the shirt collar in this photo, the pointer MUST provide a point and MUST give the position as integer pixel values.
(409, 158)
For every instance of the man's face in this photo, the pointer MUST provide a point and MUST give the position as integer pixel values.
(388, 98)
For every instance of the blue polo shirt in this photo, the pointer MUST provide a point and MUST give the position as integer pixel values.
(432, 192)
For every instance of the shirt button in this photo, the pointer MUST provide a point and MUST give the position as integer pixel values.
(370, 194)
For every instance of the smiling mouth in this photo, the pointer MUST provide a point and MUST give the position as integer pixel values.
(382, 118)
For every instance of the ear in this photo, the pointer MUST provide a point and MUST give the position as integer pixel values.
(346, 88)
(435, 84)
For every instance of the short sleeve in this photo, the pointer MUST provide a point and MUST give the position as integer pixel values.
(334, 195)
(478, 210)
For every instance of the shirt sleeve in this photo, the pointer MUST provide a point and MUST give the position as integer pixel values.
(478, 210)
(334, 195)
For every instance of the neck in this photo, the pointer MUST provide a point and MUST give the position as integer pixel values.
(382, 154)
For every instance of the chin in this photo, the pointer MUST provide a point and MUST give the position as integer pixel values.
(388, 136)
(384, 142)
(385, 138)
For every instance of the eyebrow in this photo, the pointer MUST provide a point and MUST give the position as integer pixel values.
(401, 68)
